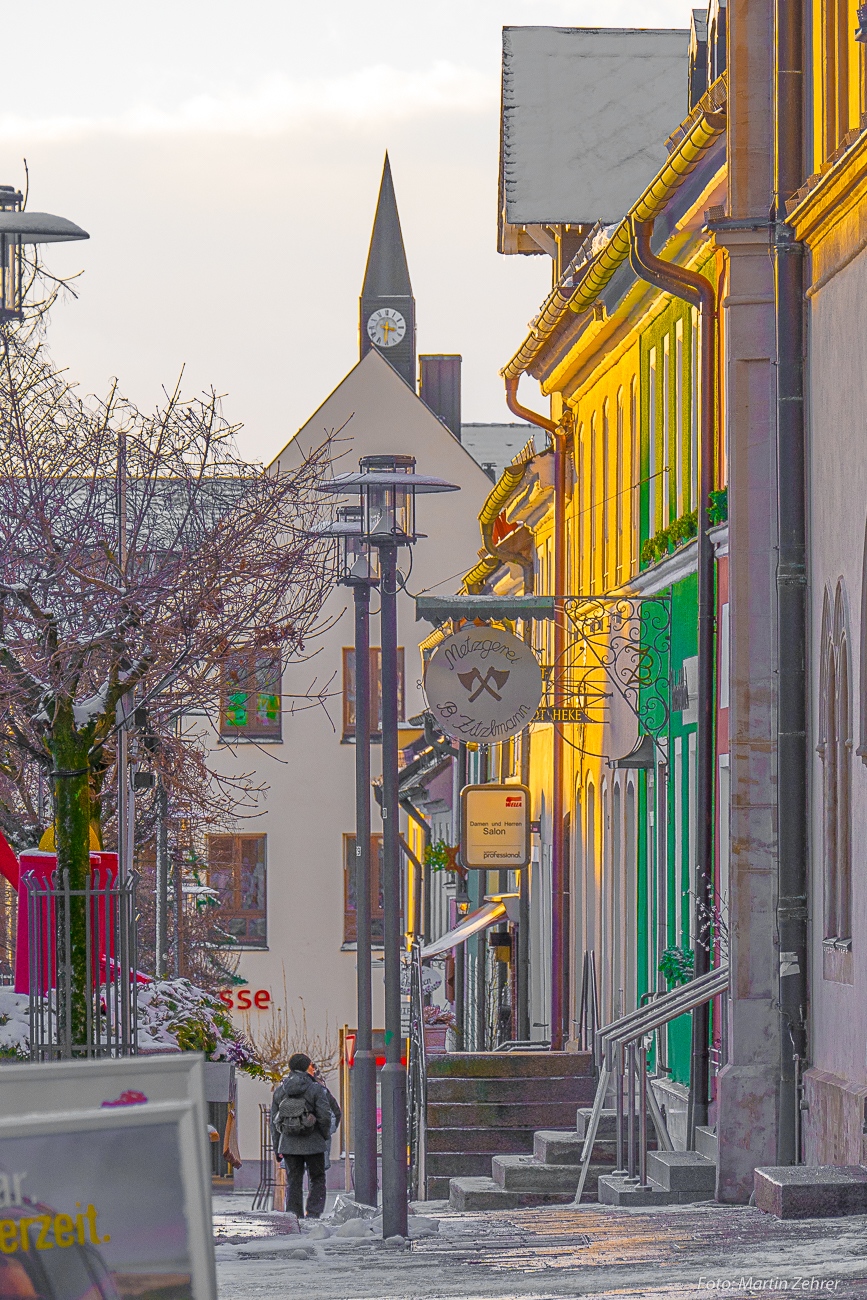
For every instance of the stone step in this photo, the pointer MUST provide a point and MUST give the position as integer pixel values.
(556, 1148)
(683, 1171)
(457, 1164)
(613, 1189)
(525, 1175)
(569, 1088)
(477, 1194)
(485, 1194)
(457, 1114)
(607, 1122)
(707, 1143)
(811, 1191)
(510, 1065)
(492, 1141)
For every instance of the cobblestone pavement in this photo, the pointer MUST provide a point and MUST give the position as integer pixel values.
(540, 1254)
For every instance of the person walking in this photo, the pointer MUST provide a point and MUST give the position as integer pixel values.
(301, 1132)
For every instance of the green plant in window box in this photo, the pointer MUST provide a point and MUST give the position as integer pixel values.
(677, 965)
(718, 506)
(436, 856)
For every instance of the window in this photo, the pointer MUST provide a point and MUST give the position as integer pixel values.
(665, 458)
(236, 869)
(652, 467)
(695, 393)
(634, 470)
(375, 691)
(606, 499)
(250, 704)
(835, 746)
(678, 416)
(619, 480)
(838, 65)
(350, 896)
(593, 503)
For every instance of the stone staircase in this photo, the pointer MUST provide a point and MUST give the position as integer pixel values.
(550, 1175)
(547, 1177)
(488, 1107)
(673, 1177)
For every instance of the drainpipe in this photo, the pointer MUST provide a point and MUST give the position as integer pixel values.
(559, 972)
(698, 291)
(791, 581)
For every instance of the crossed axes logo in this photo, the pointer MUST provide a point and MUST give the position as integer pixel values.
(497, 676)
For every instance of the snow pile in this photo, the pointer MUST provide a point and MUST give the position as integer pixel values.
(602, 239)
(14, 1025)
(174, 1013)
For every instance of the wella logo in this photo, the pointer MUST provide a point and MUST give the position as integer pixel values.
(513, 801)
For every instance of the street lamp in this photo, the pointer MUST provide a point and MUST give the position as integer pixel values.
(387, 487)
(18, 228)
(358, 568)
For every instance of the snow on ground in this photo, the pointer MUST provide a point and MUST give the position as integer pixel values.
(540, 1254)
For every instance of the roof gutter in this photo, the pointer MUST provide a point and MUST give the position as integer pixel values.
(708, 125)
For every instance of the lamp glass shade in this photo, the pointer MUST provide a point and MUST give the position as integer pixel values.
(358, 560)
(388, 503)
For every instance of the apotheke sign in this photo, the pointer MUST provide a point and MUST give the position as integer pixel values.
(495, 826)
(483, 684)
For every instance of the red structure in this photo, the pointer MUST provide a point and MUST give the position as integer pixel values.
(42, 865)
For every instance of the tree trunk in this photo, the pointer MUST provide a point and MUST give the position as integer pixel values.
(69, 749)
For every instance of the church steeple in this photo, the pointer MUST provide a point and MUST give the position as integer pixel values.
(387, 304)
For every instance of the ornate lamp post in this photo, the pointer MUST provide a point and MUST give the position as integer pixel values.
(358, 569)
(18, 228)
(387, 486)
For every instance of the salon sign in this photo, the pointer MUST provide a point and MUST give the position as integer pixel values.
(483, 685)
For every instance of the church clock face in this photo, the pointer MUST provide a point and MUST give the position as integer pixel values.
(385, 327)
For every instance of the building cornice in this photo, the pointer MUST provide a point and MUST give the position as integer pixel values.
(833, 196)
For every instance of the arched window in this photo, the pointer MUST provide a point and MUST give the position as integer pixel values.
(593, 502)
(635, 472)
(840, 72)
(620, 481)
(606, 498)
(835, 749)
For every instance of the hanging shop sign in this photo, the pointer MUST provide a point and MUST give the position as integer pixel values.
(495, 826)
(483, 684)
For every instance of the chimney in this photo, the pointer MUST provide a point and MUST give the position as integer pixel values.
(439, 387)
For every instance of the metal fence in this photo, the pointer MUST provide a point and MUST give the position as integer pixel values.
(82, 966)
(264, 1198)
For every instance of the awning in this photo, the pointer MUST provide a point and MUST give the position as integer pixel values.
(490, 914)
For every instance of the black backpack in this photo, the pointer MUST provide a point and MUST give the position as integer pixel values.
(294, 1117)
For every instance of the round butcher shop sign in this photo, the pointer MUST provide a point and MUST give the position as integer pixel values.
(483, 684)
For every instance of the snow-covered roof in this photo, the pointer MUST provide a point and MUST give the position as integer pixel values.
(494, 446)
(586, 112)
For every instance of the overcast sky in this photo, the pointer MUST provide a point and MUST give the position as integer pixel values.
(225, 159)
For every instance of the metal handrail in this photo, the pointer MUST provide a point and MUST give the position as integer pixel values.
(629, 1032)
(647, 1019)
(416, 1092)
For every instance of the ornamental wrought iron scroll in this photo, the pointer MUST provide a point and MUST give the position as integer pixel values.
(629, 637)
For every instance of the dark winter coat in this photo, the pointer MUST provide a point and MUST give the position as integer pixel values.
(316, 1139)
